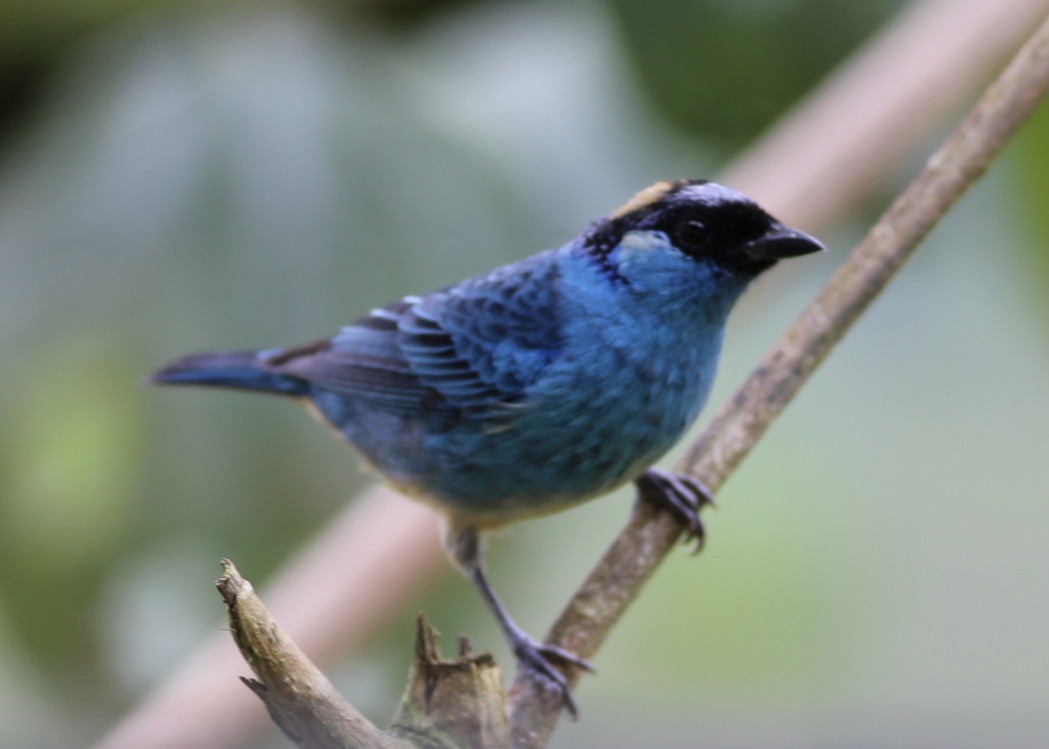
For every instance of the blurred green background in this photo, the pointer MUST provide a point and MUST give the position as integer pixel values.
(185, 175)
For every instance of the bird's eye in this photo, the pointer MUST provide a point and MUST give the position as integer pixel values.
(691, 233)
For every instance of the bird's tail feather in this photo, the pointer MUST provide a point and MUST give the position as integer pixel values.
(237, 370)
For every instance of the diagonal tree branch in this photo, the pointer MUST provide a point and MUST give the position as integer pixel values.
(299, 698)
(650, 535)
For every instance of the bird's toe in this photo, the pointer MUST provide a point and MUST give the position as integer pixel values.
(683, 496)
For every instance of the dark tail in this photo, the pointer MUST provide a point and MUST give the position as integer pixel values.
(238, 370)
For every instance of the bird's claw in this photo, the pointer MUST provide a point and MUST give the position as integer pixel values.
(537, 658)
(684, 496)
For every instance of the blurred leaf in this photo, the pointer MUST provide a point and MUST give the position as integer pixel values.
(70, 469)
(76, 460)
(725, 69)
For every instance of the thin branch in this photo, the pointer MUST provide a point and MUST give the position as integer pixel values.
(299, 698)
(650, 535)
(448, 704)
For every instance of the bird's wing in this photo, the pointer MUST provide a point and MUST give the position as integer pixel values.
(472, 349)
(361, 361)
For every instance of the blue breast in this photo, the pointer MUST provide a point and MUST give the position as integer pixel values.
(626, 382)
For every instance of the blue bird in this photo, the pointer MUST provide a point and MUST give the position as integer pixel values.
(543, 383)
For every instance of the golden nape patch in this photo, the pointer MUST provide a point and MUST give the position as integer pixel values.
(648, 196)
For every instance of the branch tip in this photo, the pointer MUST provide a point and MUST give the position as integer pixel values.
(230, 584)
(427, 647)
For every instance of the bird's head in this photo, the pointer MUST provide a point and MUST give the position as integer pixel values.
(691, 238)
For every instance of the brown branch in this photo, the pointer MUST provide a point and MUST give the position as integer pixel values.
(299, 698)
(650, 535)
(448, 704)
(459, 703)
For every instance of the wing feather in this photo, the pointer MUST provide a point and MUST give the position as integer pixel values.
(470, 351)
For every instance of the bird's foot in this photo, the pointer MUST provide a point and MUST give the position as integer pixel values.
(684, 496)
(539, 659)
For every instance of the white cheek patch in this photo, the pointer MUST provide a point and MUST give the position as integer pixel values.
(643, 242)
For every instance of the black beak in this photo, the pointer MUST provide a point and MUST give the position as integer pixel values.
(781, 242)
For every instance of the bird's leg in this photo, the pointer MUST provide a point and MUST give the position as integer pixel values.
(530, 653)
(684, 496)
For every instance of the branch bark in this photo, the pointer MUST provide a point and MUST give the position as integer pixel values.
(650, 535)
(456, 704)
(299, 698)
(448, 704)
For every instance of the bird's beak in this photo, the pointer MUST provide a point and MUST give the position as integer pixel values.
(781, 242)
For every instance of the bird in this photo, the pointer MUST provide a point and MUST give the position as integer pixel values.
(541, 384)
